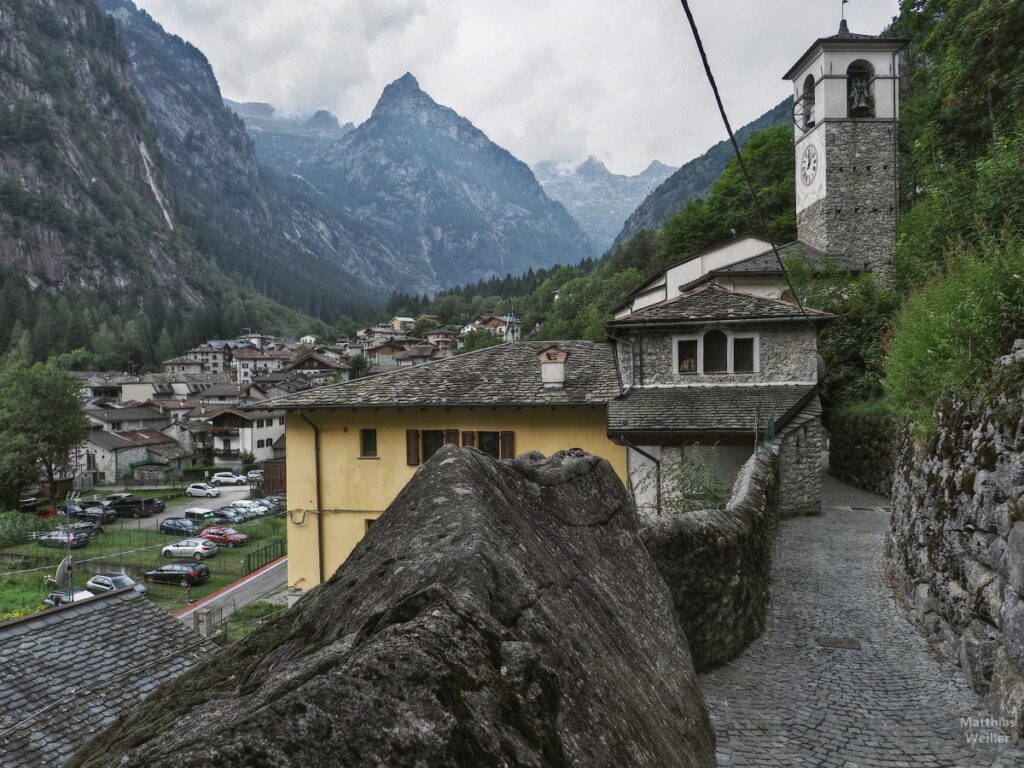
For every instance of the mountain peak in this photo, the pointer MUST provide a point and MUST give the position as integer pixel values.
(324, 121)
(397, 96)
(657, 168)
(593, 167)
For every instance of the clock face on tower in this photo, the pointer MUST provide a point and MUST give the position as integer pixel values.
(809, 164)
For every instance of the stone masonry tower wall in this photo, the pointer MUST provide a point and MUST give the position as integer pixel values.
(857, 215)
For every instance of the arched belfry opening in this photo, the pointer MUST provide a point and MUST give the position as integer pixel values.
(860, 85)
(807, 97)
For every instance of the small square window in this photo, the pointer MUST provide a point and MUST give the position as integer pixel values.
(743, 355)
(688, 356)
(368, 443)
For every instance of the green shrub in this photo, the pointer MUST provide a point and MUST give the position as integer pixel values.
(15, 527)
(948, 333)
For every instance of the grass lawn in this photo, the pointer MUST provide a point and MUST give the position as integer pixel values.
(126, 548)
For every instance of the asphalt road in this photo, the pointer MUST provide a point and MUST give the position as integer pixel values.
(246, 591)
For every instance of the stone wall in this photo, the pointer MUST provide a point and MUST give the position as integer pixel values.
(717, 564)
(957, 538)
(801, 466)
(858, 214)
(787, 354)
(862, 450)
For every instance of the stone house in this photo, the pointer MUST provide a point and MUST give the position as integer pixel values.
(715, 373)
(183, 364)
(109, 457)
(125, 419)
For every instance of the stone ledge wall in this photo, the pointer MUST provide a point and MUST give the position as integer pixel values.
(957, 539)
(717, 564)
(862, 450)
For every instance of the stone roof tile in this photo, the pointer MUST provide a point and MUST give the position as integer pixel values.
(713, 303)
(507, 374)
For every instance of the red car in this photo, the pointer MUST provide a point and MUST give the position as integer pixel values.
(228, 537)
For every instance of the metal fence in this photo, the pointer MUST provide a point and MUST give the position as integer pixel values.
(264, 555)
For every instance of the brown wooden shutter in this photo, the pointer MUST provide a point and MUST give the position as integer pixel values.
(508, 445)
(412, 447)
(451, 437)
(469, 439)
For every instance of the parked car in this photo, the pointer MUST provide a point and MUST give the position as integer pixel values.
(159, 505)
(178, 526)
(183, 574)
(98, 514)
(228, 478)
(69, 508)
(85, 527)
(254, 475)
(197, 549)
(29, 504)
(242, 504)
(229, 537)
(241, 515)
(108, 582)
(201, 514)
(132, 507)
(64, 596)
(229, 515)
(202, 489)
(62, 539)
(117, 497)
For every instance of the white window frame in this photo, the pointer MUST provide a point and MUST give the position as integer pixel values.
(730, 336)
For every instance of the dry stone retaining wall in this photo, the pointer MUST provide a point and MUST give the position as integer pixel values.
(862, 450)
(717, 564)
(957, 538)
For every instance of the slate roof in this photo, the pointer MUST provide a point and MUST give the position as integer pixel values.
(507, 374)
(109, 440)
(115, 415)
(146, 437)
(765, 264)
(698, 410)
(713, 303)
(80, 667)
(846, 36)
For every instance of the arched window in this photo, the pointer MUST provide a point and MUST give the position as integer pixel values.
(716, 352)
(807, 98)
(860, 85)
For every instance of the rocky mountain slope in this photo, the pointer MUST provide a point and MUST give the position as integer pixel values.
(282, 141)
(598, 199)
(439, 192)
(268, 230)
(695, 178)
(529, 627)
(84, 202)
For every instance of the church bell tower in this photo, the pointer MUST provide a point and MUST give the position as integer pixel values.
(845, 114)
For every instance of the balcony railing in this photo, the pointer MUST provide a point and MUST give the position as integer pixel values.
(226, 453)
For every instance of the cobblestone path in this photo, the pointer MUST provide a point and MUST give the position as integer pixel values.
(791, 701)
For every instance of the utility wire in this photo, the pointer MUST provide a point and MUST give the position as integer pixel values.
(739, 157)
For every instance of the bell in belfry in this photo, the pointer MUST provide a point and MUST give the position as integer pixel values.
(861, 102)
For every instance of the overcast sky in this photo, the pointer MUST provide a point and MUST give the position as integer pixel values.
(546, 79)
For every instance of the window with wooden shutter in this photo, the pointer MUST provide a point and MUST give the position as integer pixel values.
(508, 445)
(412, 447)
(489, 443)
(433, 439)
(469, 439)
(451, 437)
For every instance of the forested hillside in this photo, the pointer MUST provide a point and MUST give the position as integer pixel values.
(92, 250)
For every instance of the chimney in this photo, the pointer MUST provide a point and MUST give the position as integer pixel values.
(552, 367)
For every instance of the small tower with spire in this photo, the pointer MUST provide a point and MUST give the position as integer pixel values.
(846, 115)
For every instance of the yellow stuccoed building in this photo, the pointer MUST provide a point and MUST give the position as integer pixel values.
(353, 446)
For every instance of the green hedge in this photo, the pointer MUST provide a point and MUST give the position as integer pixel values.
(15, 527)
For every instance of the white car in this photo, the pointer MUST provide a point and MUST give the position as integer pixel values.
(197, 549)
(243, 504)
(202, 489)
(63, 597)
(228, 478)
(254, 474)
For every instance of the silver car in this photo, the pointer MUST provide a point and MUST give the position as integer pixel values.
(197, 549)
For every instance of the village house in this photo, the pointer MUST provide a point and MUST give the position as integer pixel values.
(319, 369)
(374, 432)
(248, 364)
(445, 341)
(402, 324)
(123, 419)
(183, 364)
(236, 431)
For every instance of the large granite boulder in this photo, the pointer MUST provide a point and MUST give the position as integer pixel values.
(498, 614)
